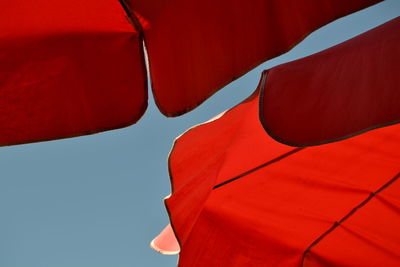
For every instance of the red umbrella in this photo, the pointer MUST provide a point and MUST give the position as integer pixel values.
(68, 68)
(77, 67)
(340, 92)
(240, 198)
(197, 47)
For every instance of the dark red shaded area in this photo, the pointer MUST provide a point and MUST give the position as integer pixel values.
(77, 67)
(197, 47)
(68, 68)
(340, 92)
(242, 199)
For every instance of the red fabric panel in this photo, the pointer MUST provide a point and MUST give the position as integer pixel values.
(242, 199)
(363, 233)
(197, 47)
(342, 91)
(67, 68)
(202, 151)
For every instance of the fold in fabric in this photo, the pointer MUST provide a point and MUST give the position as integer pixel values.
(197, 47)
(242, 199)
(68, 68)
(335, 94)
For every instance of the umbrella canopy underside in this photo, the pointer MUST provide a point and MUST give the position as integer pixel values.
(337, 93)
(197, 47)
(242, 199)
(70, 68)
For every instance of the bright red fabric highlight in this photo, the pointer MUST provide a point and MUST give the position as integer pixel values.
(337, 93)
(242, 199)
(68, 68)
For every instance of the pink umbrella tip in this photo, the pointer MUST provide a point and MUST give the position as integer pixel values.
(166, 242)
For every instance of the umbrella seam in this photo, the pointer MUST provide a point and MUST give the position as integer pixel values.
(266, 164)
(347, 216)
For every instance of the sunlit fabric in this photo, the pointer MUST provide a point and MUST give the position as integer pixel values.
(166, 243)
(67, 68)
(337, 93)
(240, 198)
(197, 47)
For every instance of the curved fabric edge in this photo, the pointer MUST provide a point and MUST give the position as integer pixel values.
(85, 133)
(298, 171)
(171, 176)
(131, 116)
(100, 130)
(165, 243)
(283, 140)
(217, 88)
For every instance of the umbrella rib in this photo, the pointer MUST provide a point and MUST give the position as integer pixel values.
(348, 215)
(260, 167)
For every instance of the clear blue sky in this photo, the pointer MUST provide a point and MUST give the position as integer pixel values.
(96, 201)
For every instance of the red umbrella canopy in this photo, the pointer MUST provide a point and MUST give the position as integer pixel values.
(197, 47)
(77, 67)
(242, 199)
(68, 68)
(342, 91)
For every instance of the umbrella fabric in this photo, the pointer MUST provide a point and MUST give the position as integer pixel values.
(68, 68)
(337, 93)
(197, 47)
(242, 199)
